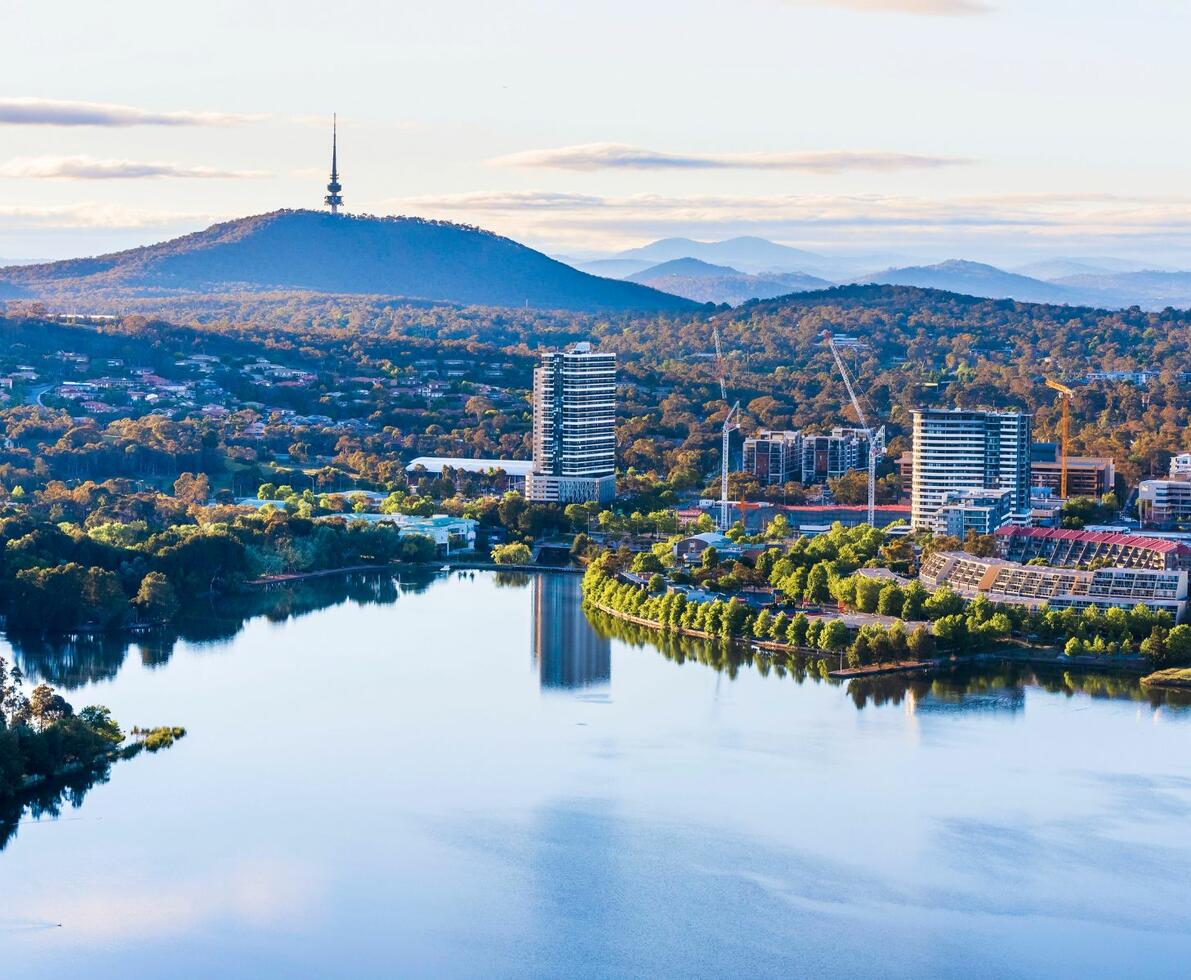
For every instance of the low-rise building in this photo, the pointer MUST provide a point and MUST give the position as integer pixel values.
(999, 580)
(1087, 476)
(1079, 549)
(515, 470)
(1164, 503)
(1180, 466)
(965, 512)
(690, 550)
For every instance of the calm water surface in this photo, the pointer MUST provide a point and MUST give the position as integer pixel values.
(465, 779)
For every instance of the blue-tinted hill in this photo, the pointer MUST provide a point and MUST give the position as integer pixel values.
(311, 250)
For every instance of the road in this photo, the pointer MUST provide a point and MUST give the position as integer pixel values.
(33, 397)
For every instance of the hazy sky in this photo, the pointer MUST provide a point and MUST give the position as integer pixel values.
(993, 129)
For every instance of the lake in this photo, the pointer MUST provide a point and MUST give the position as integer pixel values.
(463, 777)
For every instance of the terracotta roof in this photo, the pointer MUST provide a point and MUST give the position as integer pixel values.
(1093, 537)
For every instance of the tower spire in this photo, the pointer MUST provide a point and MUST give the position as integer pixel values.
(334, 199)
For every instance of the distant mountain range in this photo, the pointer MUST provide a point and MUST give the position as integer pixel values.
(1107, 290)
(974, 279)
(746, 254)
(707, 283)
(311, 250)
(738, 269)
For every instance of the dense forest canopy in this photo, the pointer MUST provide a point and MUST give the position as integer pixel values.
(924, 347)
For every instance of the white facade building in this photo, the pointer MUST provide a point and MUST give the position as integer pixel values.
(1164, 503)
(1180, 466)
(574, 427)
(964, 512)
(957, 449)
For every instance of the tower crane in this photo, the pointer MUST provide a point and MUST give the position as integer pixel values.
(871, 437)
(729, 425)
(1065, 396)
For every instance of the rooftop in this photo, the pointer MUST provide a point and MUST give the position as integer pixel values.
(436, 464)
(1092, 537)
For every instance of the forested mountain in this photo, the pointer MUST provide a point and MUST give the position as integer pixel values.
(975, 279)
(709, 283)
(310, 250)
(1151, 289)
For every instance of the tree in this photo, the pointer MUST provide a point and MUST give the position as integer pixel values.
(736, 615)
(647, 563)
(833, 636)
(980, 545)
(711, 557)
(516, 553)
(818, 583)
(796, 631)
(890, 601)
(155, 599)
(921, 643)
(657, 582)
(417, 548)
(193, 489)
(1178, 645)
(778, 529)
(99, 719)
(46, 707)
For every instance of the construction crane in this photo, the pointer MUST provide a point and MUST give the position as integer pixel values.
(836, 344)
(1065, 396)
(729, 425)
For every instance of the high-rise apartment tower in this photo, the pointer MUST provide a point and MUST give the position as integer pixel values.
(574, 427)
(958, 450)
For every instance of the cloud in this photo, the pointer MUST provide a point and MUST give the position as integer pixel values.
(90, 168)
(604, 156)
(611, 221)
(90, 214)
(927, 8)
(54, 112)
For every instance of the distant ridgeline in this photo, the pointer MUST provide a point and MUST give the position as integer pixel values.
(311, 250)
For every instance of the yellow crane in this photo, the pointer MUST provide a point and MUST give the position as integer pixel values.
(1065, 395)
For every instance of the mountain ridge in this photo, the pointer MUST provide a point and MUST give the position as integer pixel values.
(360, 254)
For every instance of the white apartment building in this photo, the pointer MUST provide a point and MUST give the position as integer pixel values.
(965, 512)
(574, 427)
(958, 449)
(1164, 503)
(1180, 466)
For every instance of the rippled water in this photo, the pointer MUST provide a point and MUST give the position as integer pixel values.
(464, 778)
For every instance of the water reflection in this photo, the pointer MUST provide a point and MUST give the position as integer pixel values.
(49, 799)
(1000, 688)
(568, 651)
(69, 662)
(988, 688)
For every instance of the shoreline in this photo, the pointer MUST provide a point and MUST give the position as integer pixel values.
(1039, 658)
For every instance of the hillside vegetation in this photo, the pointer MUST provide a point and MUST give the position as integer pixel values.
(309, 250)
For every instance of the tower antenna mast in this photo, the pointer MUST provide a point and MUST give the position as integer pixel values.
(334, 199)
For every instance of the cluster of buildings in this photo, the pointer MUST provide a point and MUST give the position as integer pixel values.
(780, 457)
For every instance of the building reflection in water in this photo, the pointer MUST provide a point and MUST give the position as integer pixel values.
(567, 651)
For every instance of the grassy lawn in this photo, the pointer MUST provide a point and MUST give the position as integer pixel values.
(1171, 677)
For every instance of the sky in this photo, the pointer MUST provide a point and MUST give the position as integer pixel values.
(998, 130)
